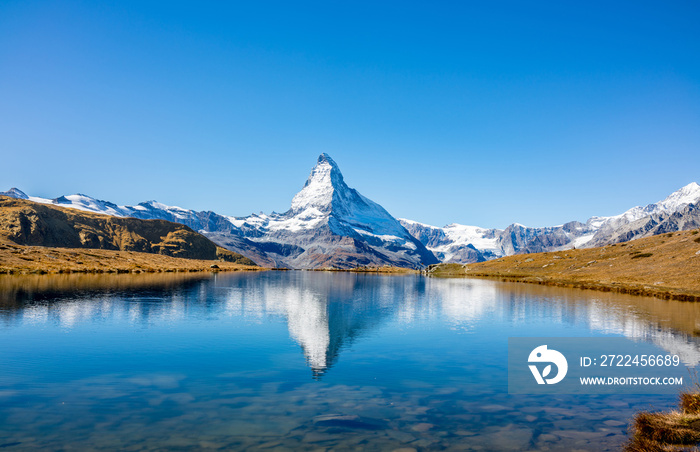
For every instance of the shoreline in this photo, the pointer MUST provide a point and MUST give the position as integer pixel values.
(665, 266)
(39, 260)
(383, 270)
(638, 290)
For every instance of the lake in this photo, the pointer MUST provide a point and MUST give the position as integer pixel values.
(306, 361)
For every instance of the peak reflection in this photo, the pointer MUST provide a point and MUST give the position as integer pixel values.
(327, 313)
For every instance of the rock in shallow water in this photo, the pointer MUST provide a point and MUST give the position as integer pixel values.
(422, 427)
(349, 421)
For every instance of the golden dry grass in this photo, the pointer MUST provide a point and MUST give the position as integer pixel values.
(19, 259)
(29, 223)
(675, 430)
(665, 266)
(385, 269)
(378, 269)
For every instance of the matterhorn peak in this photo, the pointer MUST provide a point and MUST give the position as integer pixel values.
(324, 180)
(326, 171)
(325, 158)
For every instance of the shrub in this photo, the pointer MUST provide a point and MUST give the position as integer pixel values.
(642, 255)
(666, 428)
(690, 402)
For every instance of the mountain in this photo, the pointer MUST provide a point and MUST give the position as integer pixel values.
(467, 244)
(328, 225)
(25, 222)
(219, 228)
(14, 193)
(607, 227)
(332, 225)
(685, 218)
(456, 242)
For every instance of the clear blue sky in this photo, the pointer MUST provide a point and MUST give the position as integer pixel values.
(482, 113)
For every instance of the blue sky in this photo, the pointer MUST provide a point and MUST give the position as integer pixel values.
(482, 113)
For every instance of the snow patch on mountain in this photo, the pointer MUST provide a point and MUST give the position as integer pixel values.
(14, 193)
(453, 243)
(457, 242)
(331, 224)
(328, 225)
(325, 210)
(320, 187)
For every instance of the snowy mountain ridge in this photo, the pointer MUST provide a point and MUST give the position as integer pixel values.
(450, 242)
(331, 224)
(328, 225)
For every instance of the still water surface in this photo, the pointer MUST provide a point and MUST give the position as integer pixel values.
(305, 361)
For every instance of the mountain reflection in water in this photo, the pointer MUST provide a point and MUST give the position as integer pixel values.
(326, 313)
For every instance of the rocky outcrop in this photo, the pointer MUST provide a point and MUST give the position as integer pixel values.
(29, 223)
(328, 225)
(682, 220)
(456, 243)
(332, 225)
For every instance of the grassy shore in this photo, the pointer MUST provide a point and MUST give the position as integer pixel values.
(20, 259)
(665, 266)
(676, 430)
(382, 269)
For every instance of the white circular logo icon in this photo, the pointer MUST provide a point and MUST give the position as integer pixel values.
(542, 355)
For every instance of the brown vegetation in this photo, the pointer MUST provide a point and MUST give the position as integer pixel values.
(50, 239)
(18, 259)
(667, 431)
(28, 223)
(371, 269)
(384, 269)
(665, 266)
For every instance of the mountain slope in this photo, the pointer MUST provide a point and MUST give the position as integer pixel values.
(328, 225)
(332, 225)
(25, 222)
(665, 266)
(217, 227)
(686, 218)
(468, 244)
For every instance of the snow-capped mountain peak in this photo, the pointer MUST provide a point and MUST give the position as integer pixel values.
(14, 193)
(326, 196)
(325, 179)
(690, 194)
(331, 224)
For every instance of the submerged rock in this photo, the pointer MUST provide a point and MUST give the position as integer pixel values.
(351, 421)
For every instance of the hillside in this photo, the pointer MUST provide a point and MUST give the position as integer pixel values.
(19, 259)
(665, 266)
(329, 225)
(458, 243)
(26, 223)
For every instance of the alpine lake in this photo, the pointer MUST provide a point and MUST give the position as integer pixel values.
(301, 360)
